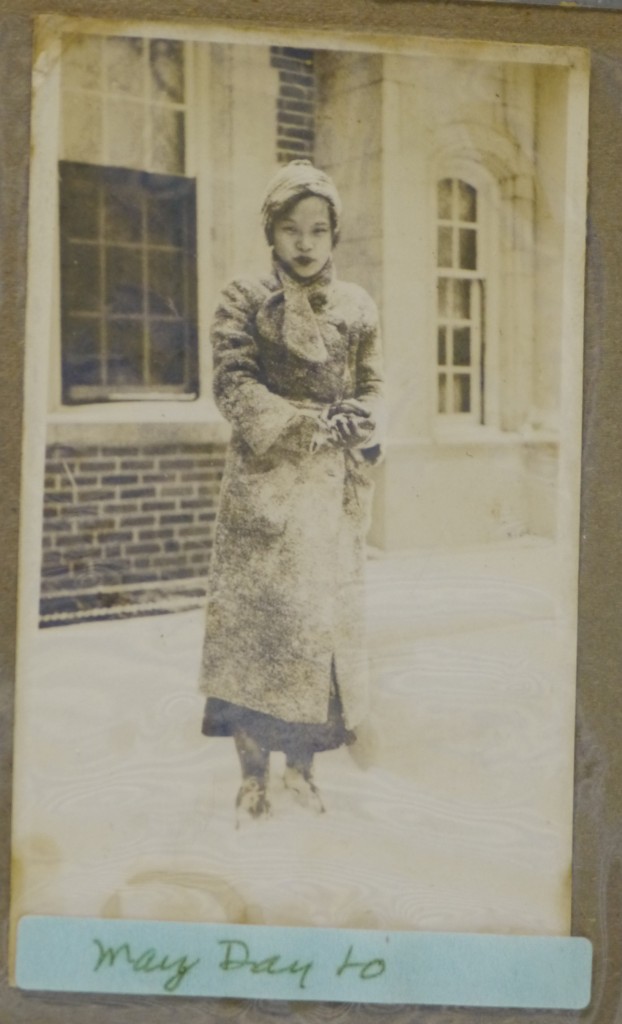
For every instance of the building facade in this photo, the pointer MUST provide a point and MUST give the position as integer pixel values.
(452, 176)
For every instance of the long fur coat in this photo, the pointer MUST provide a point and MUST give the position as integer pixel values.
(286, 589)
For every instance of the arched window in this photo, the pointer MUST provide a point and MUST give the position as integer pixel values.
(461, 297)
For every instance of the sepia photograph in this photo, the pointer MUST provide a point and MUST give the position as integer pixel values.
(301, 479)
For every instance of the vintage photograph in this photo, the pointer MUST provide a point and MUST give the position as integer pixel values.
(300, 524)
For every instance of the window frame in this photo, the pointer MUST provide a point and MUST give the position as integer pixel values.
(449, 323)
(145, 99)
(473, 172)
(105, 182)
(175, 409)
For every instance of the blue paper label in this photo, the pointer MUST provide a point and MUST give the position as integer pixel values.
(255, 962)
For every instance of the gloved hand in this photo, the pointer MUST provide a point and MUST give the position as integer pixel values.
(346, 424)
(350, 423)
(349, 431)
(350, 405)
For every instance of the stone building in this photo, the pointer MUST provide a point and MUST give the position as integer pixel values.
(452, 172)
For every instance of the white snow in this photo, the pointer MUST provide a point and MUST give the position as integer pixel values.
(463, 822)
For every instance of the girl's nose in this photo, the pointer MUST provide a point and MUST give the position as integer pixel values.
(305, 244)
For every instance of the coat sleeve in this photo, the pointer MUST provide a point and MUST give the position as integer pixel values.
(258, 415)
(370, 377)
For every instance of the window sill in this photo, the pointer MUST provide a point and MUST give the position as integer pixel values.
(138, 423)
(480, 436)
(474, 437)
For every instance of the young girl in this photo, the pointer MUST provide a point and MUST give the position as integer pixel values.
(297, 373)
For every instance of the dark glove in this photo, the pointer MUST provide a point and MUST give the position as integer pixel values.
(350, 424)
(349, 431)
(351, 406)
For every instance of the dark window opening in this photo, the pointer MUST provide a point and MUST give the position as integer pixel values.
(128, 284)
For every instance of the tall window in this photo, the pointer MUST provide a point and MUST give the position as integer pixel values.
(460, 303)
(127, 223)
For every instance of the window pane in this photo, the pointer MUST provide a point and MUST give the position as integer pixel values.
(168, 143)
(165, 221)
(457, 252)
(168, 353)
(462, 300)
(462, 393)
(444, 296)
(445, 248)
(166, 283)
(81, 63)
(462, 346)
(467, 202)
(79, 202)
(135, 286)
(123, 217)
(191, 289)
(125, 71)
(468, 248)
(167, 70)
(442, 392)
(442, 346)
(82, 128)
(126, 133)
(80, 275)
(81, 353)
(124, 280)
(444, 192)
(125, 352)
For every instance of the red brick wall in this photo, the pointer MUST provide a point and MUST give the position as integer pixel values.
(127, 529)
(295, 104)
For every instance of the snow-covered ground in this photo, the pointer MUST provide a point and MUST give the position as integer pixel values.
(463, 822)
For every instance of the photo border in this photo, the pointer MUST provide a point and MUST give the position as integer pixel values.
(597, 896)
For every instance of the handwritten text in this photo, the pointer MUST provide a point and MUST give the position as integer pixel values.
(147, 963)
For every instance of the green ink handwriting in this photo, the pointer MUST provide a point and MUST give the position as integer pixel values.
(237, 957)
(367, 969)
(145, 963)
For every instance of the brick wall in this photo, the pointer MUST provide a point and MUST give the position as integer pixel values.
(127, 530)
(296, 102)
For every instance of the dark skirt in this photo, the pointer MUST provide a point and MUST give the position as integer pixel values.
(221, 718)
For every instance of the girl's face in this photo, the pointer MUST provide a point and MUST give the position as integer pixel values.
(303, 236)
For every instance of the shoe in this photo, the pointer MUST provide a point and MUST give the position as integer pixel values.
(302, 786)
(251, 801)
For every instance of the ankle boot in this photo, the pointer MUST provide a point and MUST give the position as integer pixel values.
(252, 800)
(298, 779)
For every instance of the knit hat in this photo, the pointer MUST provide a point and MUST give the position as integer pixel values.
(298, 179)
